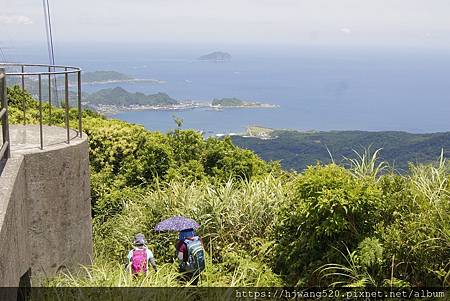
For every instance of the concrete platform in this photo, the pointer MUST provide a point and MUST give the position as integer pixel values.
(25, 139)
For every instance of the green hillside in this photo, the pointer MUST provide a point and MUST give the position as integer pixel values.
(121, 97)
(296, 150)
(228, 102)
(261, 226)
(104, 76)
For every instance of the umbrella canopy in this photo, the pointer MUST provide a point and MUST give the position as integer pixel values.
(176, 223)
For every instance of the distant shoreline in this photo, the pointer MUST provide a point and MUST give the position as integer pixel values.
(108, 109)
(115, 109)
(248, 106)
(134, 80)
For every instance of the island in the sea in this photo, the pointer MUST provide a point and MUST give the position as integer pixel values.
(115, 100)
(108, 77)
(238, 103)
(216, 56)
(121, 97)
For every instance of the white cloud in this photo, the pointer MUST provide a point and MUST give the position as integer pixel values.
(346, 30)
(15, 19)
(235, 21)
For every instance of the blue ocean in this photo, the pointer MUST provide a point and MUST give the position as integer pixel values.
(316, 89)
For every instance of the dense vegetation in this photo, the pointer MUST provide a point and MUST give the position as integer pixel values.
(121, 97)
(228, 102)
(235, 102)
(364, 225)
(297, 150)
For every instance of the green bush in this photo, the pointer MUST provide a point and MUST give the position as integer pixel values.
(418, 240)
(329, 208)
(187, 145)
(223, 161)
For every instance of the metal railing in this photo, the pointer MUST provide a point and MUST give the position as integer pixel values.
(36, 73)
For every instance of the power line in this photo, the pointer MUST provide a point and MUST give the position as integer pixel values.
(49, 34)
(2, 55)
(47, 31)
(52, 50)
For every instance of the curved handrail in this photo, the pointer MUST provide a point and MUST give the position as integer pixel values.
(67, 69)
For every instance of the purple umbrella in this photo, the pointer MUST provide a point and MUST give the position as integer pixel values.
(176, 223)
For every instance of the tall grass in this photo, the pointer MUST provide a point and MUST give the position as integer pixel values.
(431, 188)
(417, 241)
(110, 274)
(236, 219)
(431, 181)
(367, 164)
(351, 274)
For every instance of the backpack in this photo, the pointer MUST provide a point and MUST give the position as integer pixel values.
(139, 261)
(196, 255)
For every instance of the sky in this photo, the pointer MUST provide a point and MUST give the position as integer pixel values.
(296, 22)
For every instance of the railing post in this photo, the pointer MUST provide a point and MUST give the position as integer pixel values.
(6, 146)
(24, 101)
(41, 135)
(66, 91)
(49, 96)
(80, 113)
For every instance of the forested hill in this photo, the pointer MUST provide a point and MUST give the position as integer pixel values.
(296, 150)
(121, 97)
(104, 76)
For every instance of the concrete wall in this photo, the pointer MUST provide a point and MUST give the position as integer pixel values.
(14, 243)
(45, 215)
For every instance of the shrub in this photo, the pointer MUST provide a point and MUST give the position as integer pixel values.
(418, 239)
(223, 161)
(187, 145)
(329, 207)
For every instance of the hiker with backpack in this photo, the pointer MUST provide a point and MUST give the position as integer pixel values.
(191, 254)
(140, 257)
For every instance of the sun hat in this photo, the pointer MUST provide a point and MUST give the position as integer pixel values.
(139, 239)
